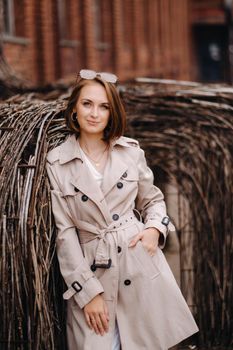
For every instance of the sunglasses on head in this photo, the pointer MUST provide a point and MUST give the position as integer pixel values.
(91, 74)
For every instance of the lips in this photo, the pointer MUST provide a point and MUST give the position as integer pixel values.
(90, 122)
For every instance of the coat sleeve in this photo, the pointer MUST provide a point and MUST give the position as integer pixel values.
(150, 201)
(75, 270)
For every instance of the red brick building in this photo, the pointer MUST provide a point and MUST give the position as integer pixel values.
(50, 39)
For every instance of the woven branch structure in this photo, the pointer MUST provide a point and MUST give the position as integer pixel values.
(187, 132)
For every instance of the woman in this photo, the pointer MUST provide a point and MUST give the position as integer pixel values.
(111, 223)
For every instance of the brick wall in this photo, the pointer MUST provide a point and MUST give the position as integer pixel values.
(128, 37)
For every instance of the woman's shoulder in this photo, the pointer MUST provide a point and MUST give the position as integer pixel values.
(129, 148)
(56, 153)
(126, 142)
(53, 154)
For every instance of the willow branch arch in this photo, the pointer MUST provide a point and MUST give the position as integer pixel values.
(187, 131)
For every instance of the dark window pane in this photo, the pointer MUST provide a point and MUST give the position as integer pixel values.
(6, 17)
(13, 17)
(19, 17)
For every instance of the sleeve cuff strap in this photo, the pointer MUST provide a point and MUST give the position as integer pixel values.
(164, 230)
(91, 288)
(77, 285)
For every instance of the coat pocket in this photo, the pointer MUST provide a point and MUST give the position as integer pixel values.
(145, 261)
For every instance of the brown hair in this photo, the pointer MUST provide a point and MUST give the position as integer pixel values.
(117, 119)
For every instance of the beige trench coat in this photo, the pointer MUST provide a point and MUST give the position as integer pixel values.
(95, 226)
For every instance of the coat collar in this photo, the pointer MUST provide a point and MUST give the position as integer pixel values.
(70, 149)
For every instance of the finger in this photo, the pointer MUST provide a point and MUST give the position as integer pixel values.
(94, 325)
(152, 250)
(136, 239)
(104, 322)
(88, 320)
(99, 324)
(106, 311)
(152, 253)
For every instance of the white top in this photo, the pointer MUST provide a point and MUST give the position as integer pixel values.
(96, 174)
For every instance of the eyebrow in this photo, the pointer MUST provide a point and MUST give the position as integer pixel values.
(87, 99)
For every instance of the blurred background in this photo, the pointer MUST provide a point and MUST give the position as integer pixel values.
(44, 41)
(185, 128)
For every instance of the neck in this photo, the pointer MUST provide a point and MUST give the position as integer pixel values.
(91, 143)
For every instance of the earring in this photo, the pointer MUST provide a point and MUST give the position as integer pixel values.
(74, 117)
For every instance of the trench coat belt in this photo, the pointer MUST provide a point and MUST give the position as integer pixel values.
(102, 251)
(88, 232)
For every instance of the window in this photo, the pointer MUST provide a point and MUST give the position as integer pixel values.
(101, 11)
(8, 24)
(98, 21)
(64, 19)
(13, 16)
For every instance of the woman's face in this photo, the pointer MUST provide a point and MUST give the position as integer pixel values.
(92, 109)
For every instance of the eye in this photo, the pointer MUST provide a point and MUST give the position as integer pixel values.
(105, 107)
(86, 103)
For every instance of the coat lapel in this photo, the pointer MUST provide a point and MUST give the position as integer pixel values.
(86, 183)
(80, 176)
(115, 168)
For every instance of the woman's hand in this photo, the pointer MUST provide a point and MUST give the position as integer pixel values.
(149, 238)
(96, 314)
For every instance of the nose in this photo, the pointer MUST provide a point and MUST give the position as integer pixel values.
(94, 111)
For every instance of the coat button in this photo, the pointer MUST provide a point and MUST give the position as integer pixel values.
(115, 217)
(127, 282)
(119, 249)
(119, 185)
(84, 198)
(76, 189)
(124, 175)
(165, 221)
